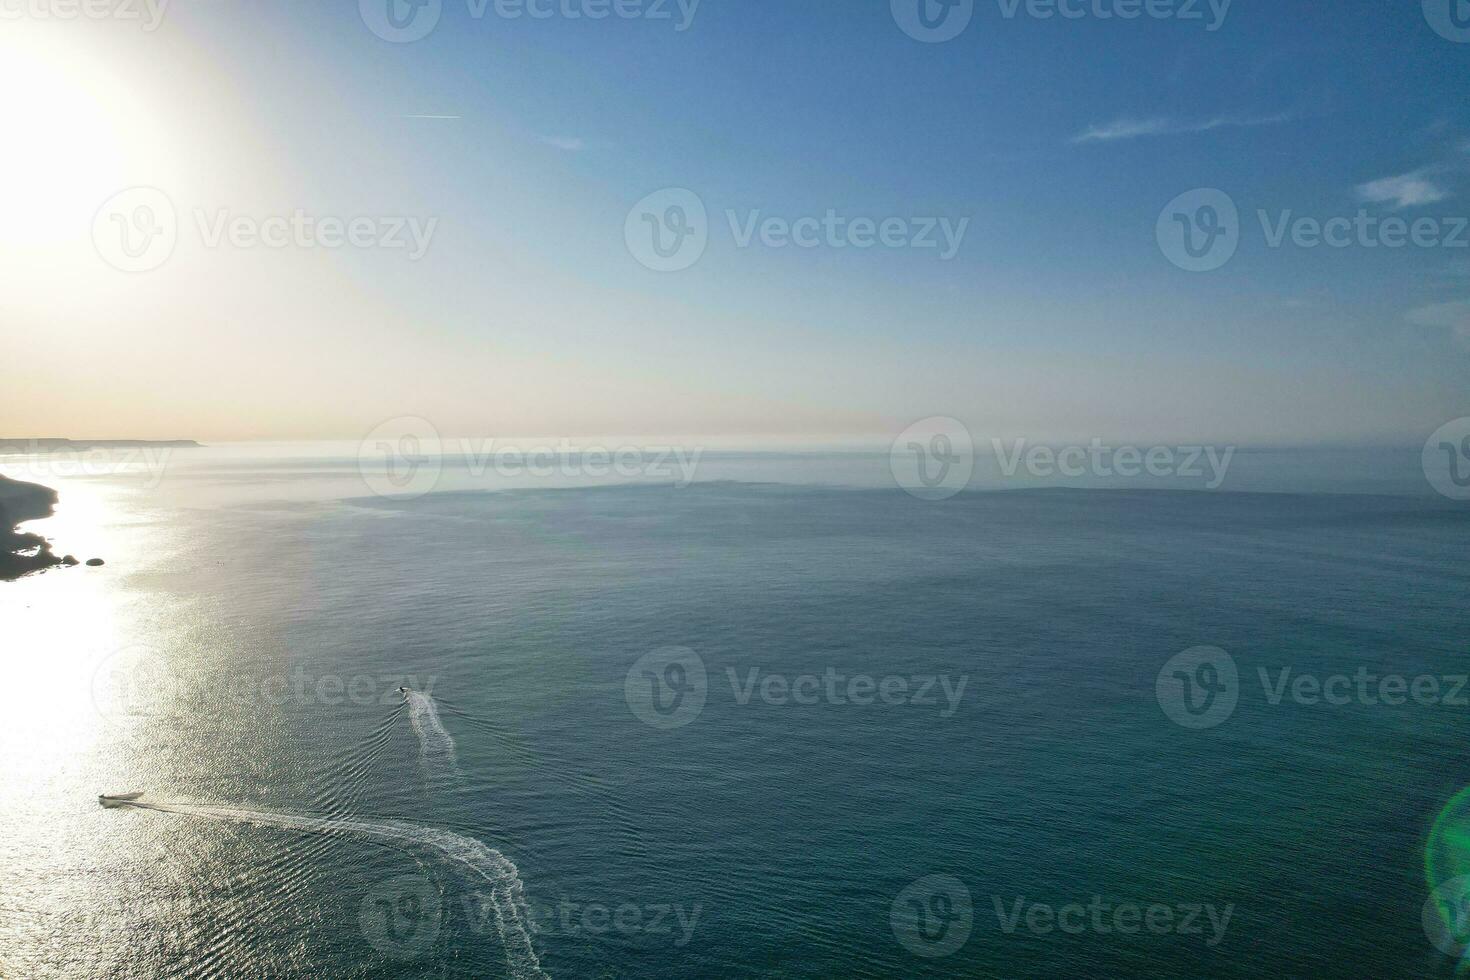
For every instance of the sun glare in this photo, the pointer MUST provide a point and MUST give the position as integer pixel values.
(73, 133)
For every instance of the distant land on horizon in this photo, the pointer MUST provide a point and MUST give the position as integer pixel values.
(31, 445)
(21, 553)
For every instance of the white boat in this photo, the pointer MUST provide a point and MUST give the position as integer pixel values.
(117, 799)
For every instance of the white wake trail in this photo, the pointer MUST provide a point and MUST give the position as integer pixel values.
(479, 861)
(434, 741)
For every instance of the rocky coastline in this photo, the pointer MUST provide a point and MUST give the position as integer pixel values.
(20, 552)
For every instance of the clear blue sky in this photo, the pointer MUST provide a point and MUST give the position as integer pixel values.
(1060, 140)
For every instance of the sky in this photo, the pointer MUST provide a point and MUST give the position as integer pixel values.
(179, 179)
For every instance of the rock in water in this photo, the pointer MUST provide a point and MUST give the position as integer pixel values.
(95, 562)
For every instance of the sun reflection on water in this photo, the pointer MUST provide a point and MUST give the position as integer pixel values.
(57, 749)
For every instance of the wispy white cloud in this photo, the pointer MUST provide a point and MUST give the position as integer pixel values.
(1122, 129)
(1409, 190)
(1453, 317)
(571, 144)
(1126, 129)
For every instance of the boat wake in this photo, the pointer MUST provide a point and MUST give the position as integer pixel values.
(481, 866)
(434, 741)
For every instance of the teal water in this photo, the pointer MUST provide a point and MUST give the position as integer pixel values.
(761, 838)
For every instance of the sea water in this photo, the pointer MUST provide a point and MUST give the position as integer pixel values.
(759, 725)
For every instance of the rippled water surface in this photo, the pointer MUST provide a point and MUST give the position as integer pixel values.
(239, 657)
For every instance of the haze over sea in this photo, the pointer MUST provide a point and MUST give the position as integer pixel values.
(726, 729)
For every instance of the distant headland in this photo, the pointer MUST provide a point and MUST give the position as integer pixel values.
(20, 502)
(31, 447)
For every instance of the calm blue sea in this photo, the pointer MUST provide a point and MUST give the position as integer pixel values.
(787, 721)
